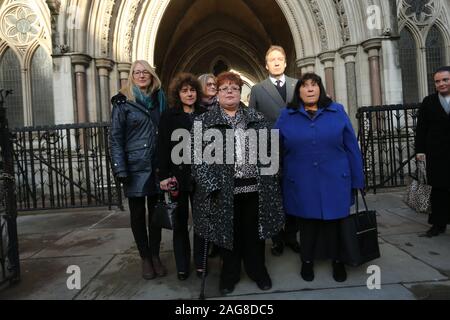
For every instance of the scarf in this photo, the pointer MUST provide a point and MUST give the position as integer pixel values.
(143, 99)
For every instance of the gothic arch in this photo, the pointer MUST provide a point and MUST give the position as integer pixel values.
(123, 31)
(99, 26)
(76, 17)
(153, 11)
(214, 40)
(417, 35)
(333, 26)
(3, 47)
(356, 29)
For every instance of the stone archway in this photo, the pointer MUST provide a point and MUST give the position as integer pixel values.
(191, 34)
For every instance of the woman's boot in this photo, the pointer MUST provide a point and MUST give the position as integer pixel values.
(159, 268)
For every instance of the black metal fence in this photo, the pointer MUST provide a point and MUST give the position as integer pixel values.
(386, 136)
(65, 166)
(9, 248)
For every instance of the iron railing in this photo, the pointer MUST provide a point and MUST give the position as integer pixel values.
(64, 166)
(386, 136)
(9, 247)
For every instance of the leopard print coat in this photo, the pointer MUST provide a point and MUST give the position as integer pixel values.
(213, 203)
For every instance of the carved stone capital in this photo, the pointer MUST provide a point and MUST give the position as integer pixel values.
(327, 58)
(80, 61)
(306, 62)
(372, 44)
(105, 64)
(124, 67)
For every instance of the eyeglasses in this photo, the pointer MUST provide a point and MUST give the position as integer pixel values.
(211, 84)
(139, 73)
(226, 89)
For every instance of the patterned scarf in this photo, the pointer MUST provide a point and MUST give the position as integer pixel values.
(143, 99)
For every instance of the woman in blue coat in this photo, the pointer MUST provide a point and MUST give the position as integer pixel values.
(134, 127)
(322, 165)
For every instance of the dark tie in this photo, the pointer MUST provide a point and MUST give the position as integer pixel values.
(279, 83)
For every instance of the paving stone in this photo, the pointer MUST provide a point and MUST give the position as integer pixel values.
(390, 223)
(387, 292)
(90, 243)
(437, 290)
(30, 244)
(57, 222)
(433, 251)
(411, 267)
(122, 280)
(46, 279)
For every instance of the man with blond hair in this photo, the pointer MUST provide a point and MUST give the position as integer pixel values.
(269, 97)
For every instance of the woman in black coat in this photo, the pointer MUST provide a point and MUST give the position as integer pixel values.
(133, 139)
(184, 97)
(433, 145)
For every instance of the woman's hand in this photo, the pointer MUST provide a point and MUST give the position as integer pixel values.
(164, 185)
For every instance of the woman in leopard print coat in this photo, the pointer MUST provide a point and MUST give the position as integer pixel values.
(235, 206)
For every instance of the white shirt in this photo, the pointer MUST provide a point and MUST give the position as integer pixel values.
(282, 79)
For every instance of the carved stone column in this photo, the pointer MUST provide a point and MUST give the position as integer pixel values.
(348, 53)
(124, 71)
(80, 63)
(327, 58)
(372, 47)
(104, 67)
(54, 7)
(307, 64)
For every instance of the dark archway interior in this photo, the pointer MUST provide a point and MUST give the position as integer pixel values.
(193, 35)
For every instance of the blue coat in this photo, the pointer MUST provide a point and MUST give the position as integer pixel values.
(321, 162)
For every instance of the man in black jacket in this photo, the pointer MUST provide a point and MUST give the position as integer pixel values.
(433, 145)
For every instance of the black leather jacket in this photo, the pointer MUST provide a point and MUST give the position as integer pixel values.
(133, 140)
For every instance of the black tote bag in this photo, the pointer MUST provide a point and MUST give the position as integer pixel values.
(164, 213)
(359, 236)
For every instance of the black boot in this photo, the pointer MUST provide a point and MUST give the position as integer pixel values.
(307, 272)
(339, 273)
(435, 230)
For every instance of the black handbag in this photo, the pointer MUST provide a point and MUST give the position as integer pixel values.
(164, 213)
(359, 236)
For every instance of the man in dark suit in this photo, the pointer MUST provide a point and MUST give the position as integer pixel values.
(433, 146)
(269, 97)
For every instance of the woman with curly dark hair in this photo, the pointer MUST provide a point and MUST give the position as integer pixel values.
(185, 94)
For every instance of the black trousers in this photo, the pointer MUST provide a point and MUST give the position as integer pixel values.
(289, 233)
(247, 246)
(181, 242)
(440, 207)
(147, 237)
(319, 239)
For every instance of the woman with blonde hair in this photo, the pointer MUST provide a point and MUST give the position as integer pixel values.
(133, 139)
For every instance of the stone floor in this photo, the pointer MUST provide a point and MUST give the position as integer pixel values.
(101, 244)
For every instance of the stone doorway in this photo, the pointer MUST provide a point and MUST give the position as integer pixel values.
(207, 36)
